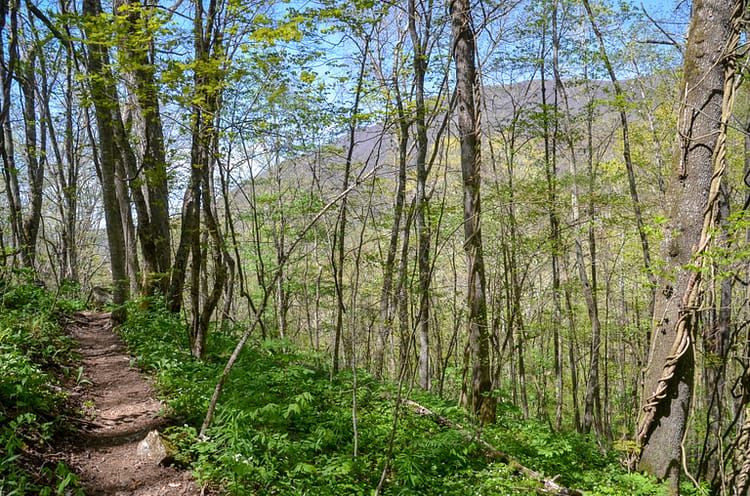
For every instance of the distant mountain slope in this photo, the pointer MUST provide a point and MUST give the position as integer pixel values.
(375, 145)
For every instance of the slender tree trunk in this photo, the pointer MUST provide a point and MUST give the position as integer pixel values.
(211, 283)
(589, 285)
(572, 363)
(221, 258)
(456, 321)
(66, 171)
(35, 159)
(123, 196)
(260, 267)
(337, 255)
(592, 399)
(568, 130)
(201, 121)
(189, 230)
(619, 94)
(279, 240)
(629, 167)
(716, 343)
(420, 62)
(387, 300)
(514, 317)
(550, 172)
(70, 180)
(512, 268)
(401, 294)
(8, 67)
(481, 401)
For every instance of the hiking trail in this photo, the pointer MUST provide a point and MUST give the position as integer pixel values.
(119, 411)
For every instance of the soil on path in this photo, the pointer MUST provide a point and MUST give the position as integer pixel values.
(120, 410)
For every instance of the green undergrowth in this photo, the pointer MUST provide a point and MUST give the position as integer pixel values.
(34, 354)
(284, 427)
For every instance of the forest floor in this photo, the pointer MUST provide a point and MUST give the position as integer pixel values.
(119, 410)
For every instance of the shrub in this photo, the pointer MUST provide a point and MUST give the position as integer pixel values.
(33, 352)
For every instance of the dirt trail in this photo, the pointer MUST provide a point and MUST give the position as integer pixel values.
(120, 410)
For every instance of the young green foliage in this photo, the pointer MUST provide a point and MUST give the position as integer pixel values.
(284, 427)
(34, 353)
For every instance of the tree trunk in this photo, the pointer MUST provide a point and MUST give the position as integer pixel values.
(123, 196)
(550, 174)
(279, 242)
(337, 254)
(387, 299)
(206, 281)
(189, 229)
(481, 401)
(148, 177)
(572, 362)
(589, 285)
(420, 62)
(401, 295)
(10, 170)
(221, 258)
(569, 131)
(201, 120)
(65, 173)
(626, 155)
(35, 159)
(739, 467)
(592, 399)
(102, 95)
(716, 343)
(692, 194)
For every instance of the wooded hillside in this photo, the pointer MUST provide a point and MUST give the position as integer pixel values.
(532, 210)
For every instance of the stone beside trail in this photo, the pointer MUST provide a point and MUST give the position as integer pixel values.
(120, 411)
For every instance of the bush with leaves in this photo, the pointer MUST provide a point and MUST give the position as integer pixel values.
(34, 351)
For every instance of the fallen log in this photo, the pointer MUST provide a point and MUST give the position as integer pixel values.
(549, 485)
